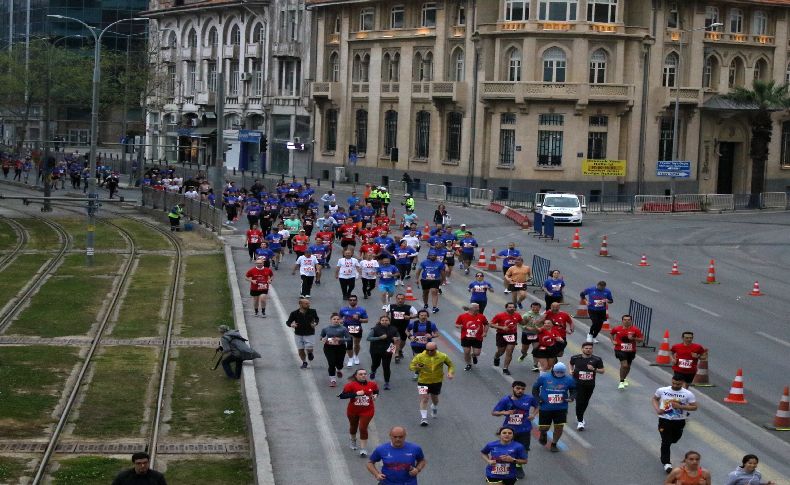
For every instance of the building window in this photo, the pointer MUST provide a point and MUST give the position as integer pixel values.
(460, 17)
(423, 134)
(235, 35)
(396, 17)
(192, 39)
(259, 34)
(366, 17)
(288, 76)
(785, 155)
(334, 68)
(599, 121)
(549, 148)
(336, 25)
(257, 78)
(389, 67)
(670, 70)
(361, 68)
(514, 65)
(673, 16)
(736, 75)
(172, 41)
(710, 73)
(390, 131)
(234, 80)
(551, 119)
(429, 14)
(191, 77)
(760, 70)
(330, 136)
(212, 76)
(454, 120)
(293, 24)
(596, 145)
(457, 65)
(423, 65)
(598, 67)
(711, 17)
(760, 23)
(362, 131)
(507, 139)
(736, 20)
(213, 38)
(787, 74)
(602, 11)
(171, 80)
(516, 10)
(559, 10)
(665, 138)
(554, 65)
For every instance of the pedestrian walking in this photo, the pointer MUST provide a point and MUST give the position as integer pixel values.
(235, 350)
(174, 216)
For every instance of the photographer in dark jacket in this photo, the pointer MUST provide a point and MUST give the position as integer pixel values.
(140, 474)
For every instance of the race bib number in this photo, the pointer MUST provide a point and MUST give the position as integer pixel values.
(333, 340)
(354, 329)
(532, 337)
(556, 287)
(599, 303)
(386, 274)
(509, 338)
(398, 315)
(516, 419)
(500, 468)
(429, 276)
(421, 339)
(585, 375)
(519, 285)
(471, 333)
(556, 398)
(391, 349)
(627, 347)
(685, 363)
(263, 286)
(254, 240)
(362, 401)
(422, 390)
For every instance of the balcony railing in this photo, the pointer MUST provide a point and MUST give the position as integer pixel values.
(188, 52)
(458, 30)
(333, 39)
(390, 89)
(687, 95)
(166, 55)
(230, 51)
(509, 26)
(325, 90)
(562, 26)
(360, 89)
(712, 35)
(421, 90)
(454, 91)
(582, 93)
(205, 98)
(763, 39)
(603, 27)
(209, 52)
(287, 49)
(252, 50)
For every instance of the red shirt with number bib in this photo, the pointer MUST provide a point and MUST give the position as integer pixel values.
(361, 405)
(348, 233)
(254, 236)
(300, 243)
(472, 326)
(547, 338)
(624, 338)
(260, 278)
(510, 322)
(561, 321)
(687, 363)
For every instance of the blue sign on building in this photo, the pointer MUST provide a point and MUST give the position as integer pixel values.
(677, 169)
(250, 136)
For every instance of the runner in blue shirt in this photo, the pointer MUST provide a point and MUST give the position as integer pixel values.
(598, 297)
(553, 287)
(253, 211)
(353, 317)
(403, 257)
(401, 461)
(479, 289)
(508, 256)
(267, 253)
(468, 245)
(319, 251)
(553, 390)
(432, 275)
(387, 273)
(275, 239)
(502, 457)
(386, 243)
(420, 332)
(519, 409)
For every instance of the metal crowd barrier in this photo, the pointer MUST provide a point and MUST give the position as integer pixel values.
(397, 188)
(480, 196)
(688, 203)
(435, 192)
(540, 271)
(611, 203)
(195, 210)
(773, 200)
(719, 202)
(642, 316)
(652, 203)
(459, 195)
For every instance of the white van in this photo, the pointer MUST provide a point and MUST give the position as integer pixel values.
(562, 207)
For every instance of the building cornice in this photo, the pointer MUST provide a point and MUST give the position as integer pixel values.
(202, 6)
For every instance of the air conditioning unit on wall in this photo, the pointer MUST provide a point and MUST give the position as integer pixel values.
(245, 76)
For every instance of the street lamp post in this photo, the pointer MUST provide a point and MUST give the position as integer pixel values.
(92, 194)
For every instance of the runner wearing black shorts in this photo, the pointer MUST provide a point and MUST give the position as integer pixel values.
(401, 314)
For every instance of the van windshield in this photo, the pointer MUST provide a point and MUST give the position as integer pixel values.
(561, 202)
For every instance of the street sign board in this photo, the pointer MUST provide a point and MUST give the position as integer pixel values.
(672, 168)
(603, 168)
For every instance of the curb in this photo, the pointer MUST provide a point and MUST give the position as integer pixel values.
(259, 443)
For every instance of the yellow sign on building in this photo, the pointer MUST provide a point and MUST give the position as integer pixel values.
(604, 168)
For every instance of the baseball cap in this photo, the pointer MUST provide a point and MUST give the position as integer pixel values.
(559, 368)
(223, 328)
(463, 225)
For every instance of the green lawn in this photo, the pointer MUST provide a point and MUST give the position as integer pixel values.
(201, 398)
(141, 310)
(88, 470)
(144, 237)
(231, 471)
(40, 235)
(11, 469)
(114, 405)
(206, 296)
(18, 273)
(31, 381)
(105, 236)
(8, 237)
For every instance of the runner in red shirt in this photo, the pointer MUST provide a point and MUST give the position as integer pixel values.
(348, 233)
(546, 347)
(474, 327)
(506, 325)
(362, 393)
(253, 241)
(382, 220)
(625, 337)
(326, 238)
(260, 278)
(368, 246)
(367, 232)
(300, 242)
(563, 324)
(685, 357)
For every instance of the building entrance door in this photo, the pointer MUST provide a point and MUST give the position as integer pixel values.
(726, 165)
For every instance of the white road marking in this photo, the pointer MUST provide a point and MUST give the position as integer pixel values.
(775, 339)
(573, 255)
(645, 287)
(626, 262)
(597, 269)
(703, 310)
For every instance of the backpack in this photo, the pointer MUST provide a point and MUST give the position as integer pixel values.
(241, 350)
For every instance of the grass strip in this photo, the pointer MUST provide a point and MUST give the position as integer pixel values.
(12, 469)
(109, 410)
(140, 314)
(18, 273)
(89, 470)
(31, 381)
(69, 302)
(105, 236)
(8, 237)
(144, 237)
(107, 264)
(207, 300)
(40, 235)
(232, 471)
(204, 402)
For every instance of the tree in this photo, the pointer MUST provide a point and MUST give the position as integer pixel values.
(766, 98)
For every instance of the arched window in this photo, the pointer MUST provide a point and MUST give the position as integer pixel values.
(330, 130)
(423, 66)
(395, 67)
(710, 73)
(554, 64)
(235, 35)
(232, 121)
(362, 131)
(760, 23)
(736, 20)
(670, 70)
(760, 70)
(355, 66)
(598, 67)
(454, 120)
(213, 38)
(192, 38)
(364, 68)
(258, 34)
(514, 65)
(736, 73)
(457, 65)
(334, 68)
(172, 40)
(336, 25)
(423, 134)
(390, 131)
(386, 61)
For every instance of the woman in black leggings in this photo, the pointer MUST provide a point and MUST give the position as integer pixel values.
(383, 340)
(334, 336)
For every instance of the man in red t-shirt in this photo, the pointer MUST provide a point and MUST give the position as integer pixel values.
(326, 239)
(547, 346)
(260, 278)
(625, 337)
(367, 232)
(300, 242)
(563, 324)
(348, 233)
(685, 357)
(506, 325)
(474, 326)
(368, 246)
(253, 241)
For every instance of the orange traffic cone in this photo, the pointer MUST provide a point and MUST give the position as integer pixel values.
(755, 290)
(492, 261)
(736, 390)
(701, 378)
(711, 279)
(581, 310)
(643, 261)
(410, 294)
(675, 271)
(604, 251)
(605, 327)
(782, 417)
(664, 356)
(576, 244)
(481, 261)
(393, 219)
(426, 232)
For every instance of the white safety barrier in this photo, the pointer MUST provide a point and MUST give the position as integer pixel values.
(652, 203)
(436, 192)
(719, 202)
(689, 202)
(480, 196)
(396, 188)
(773, 200)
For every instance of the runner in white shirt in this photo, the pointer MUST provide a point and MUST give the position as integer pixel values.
(309, 270)
(672, 404)
(367, 269)
(413, 241)
(347, 271)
